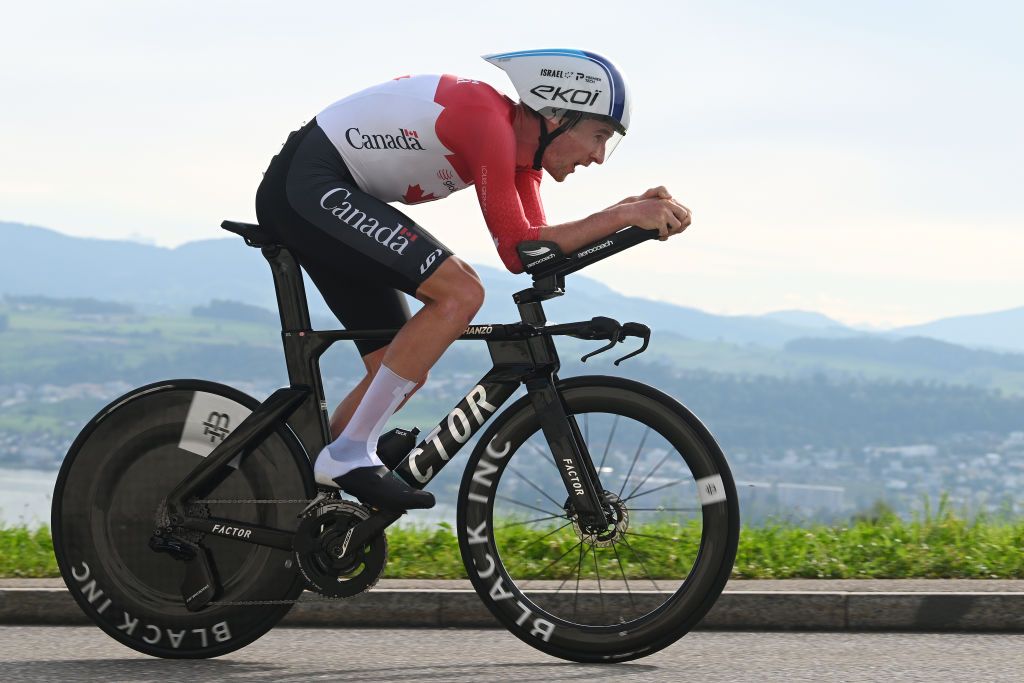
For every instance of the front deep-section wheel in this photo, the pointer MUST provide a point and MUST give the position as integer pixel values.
(621, 591)
(108, 502)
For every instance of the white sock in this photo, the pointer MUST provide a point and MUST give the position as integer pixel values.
(356, 446)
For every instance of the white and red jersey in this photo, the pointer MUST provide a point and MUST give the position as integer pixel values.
(420, 138)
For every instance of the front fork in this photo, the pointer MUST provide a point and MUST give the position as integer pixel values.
(569, 449)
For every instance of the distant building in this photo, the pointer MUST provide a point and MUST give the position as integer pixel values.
(810, 498)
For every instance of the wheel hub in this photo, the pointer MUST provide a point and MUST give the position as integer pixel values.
(617, 517)
(193, 508)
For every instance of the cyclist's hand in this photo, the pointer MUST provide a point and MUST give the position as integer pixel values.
(659, 192)
(666, 216)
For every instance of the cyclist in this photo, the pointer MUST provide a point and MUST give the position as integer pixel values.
(420, 138)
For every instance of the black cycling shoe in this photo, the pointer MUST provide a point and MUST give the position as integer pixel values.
(381, 488)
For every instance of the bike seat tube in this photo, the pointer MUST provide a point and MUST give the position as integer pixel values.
(291, 292)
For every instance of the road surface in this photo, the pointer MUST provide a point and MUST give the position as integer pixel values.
(290, 654)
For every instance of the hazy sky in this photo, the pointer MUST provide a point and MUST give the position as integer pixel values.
(859, 159)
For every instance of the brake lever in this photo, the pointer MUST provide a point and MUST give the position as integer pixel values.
(635, 330)
(613, 342)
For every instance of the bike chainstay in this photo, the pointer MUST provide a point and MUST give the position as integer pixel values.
(257, 603)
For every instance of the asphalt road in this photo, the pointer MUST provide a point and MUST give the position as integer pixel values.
(86, 654)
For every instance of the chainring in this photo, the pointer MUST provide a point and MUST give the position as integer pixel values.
(321, 534)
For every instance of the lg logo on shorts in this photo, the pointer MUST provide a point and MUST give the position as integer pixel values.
(430, 260)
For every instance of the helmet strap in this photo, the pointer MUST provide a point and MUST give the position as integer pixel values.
(568, 121)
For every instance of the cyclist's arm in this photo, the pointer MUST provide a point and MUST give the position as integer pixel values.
(528, 187)
(482, 138)
(569, 236)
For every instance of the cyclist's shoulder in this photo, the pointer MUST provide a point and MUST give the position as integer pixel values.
(472, 108)
(458, 91)
(444, 89)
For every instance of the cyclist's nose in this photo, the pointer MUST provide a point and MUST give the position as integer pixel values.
(598, 154)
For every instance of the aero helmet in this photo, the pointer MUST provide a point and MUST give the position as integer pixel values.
(567, 86)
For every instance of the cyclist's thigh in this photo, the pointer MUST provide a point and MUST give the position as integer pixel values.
(359, 306)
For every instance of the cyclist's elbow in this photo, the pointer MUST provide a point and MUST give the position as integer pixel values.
(510, 258)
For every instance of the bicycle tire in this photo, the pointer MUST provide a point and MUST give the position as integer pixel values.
(538, 613)
(106, 504)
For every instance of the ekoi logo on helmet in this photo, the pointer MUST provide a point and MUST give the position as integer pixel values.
(554, 93)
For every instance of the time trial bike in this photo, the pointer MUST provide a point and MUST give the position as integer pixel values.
(597, 518)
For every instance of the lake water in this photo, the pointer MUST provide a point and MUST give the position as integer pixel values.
(25, 497)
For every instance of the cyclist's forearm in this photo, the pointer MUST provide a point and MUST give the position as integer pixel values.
(569, 236)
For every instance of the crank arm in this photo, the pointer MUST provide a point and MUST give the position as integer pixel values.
(359, 535)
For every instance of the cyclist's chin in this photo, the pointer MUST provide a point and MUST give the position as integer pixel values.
(560, 174)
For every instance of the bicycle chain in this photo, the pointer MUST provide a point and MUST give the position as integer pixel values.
(256, 603)
(210, 501)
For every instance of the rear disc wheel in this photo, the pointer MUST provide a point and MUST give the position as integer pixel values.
(109, 499)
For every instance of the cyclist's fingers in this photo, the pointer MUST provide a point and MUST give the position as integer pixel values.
(657, 192)
(672, 225)
(680, 211)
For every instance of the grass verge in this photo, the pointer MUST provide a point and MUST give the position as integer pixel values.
(942, 545)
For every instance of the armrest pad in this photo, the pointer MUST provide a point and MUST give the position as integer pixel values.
(534, 253)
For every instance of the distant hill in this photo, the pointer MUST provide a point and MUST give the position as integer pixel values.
(911, 351)
(1001, 329)
(156, 278)
(808, 319)
(57, 265)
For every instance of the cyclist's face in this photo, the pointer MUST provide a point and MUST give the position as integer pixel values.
(581, 145)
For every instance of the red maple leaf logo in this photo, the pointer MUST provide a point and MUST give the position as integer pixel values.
(415, 195)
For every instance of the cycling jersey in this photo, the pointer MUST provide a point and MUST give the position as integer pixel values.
(411, 140)
(420, 138)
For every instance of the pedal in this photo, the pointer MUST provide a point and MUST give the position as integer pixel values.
(199, 586)
(393, 446)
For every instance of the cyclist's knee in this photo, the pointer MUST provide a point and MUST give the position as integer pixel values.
(456, 287)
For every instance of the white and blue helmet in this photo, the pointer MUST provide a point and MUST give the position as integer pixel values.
(555, 82)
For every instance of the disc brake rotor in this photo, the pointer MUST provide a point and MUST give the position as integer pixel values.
(322, 537)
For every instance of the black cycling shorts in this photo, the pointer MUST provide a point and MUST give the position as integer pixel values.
(359, 251)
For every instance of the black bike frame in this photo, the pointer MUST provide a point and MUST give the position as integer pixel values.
(522, 353)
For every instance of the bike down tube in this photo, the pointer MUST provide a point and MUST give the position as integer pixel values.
(468, 417)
